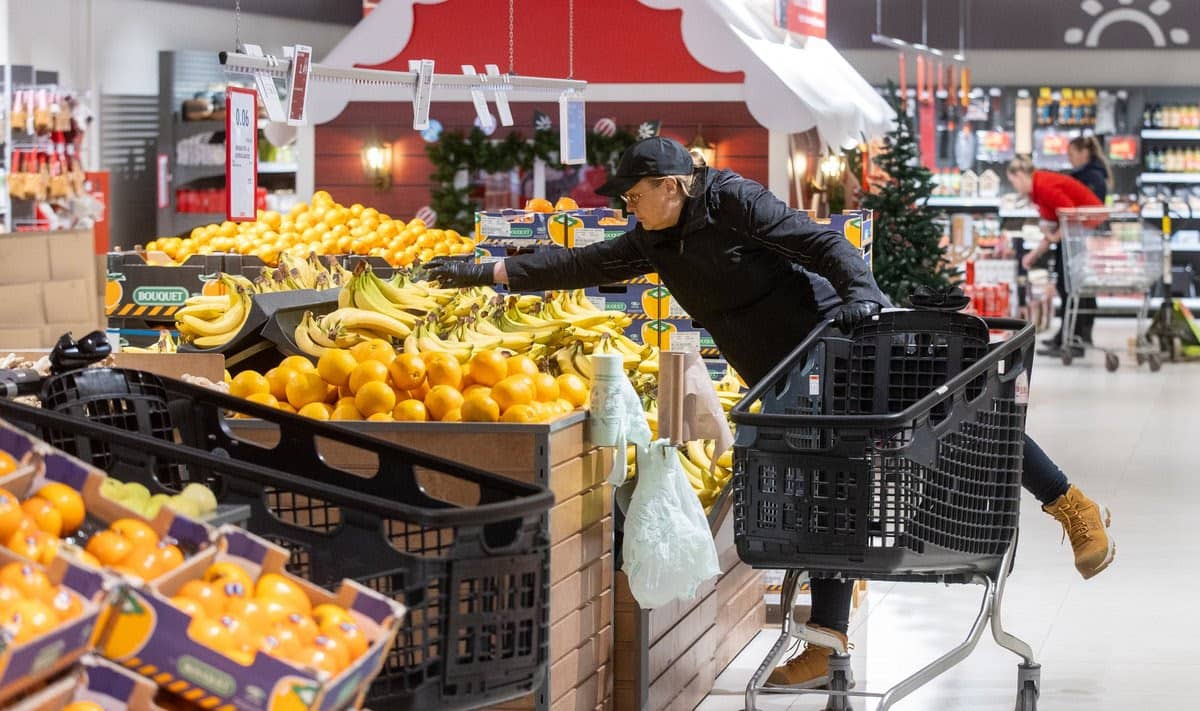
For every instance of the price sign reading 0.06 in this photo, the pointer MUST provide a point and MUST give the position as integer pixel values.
(241, 153)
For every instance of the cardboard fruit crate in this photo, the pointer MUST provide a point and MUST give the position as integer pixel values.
(571, 228)
(99, 682)
(147, 633)
(138, 287)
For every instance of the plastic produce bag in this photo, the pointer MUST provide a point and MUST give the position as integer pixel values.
(616, 413)
(668, 549)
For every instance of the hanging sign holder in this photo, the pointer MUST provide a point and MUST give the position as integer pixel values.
(297, 91)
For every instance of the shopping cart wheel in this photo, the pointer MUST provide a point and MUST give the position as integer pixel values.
(1111, 362)
(1067, 357)
(1155, 363)
(1029, 677)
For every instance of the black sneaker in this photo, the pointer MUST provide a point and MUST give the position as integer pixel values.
(1055, 342)
(1076, 352)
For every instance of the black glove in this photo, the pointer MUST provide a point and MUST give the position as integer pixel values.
(457, 274)
(852, 313)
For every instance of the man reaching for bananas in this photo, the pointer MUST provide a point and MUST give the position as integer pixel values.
(759, 276)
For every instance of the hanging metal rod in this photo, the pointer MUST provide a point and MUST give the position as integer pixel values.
(278, 66)
(897, 43)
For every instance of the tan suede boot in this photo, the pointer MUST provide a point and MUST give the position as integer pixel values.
(810, 669)
(1084, 522)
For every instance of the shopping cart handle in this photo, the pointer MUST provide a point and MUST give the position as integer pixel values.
(741, 414)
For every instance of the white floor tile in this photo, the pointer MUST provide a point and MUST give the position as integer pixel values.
(1127, 638)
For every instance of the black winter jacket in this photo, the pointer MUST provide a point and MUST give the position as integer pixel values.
(1095, 176)
(739, 262)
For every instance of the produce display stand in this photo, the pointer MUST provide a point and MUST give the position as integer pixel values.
(580, 527)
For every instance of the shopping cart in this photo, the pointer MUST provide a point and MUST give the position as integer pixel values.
(891, 454)
(474, 579)
(1108, 252)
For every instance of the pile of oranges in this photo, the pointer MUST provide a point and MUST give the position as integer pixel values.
(238, 616)
(34, 528)
(132, 547)
(321, 227)
(31, 605)
(371, 382)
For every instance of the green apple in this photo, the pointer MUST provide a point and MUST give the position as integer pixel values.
(202, 495)
(134, 496)
(156, 502)
(184, 506)
(112, 489)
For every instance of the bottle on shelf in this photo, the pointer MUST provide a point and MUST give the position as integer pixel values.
(1066, 108)
(1147, 115)
(1045, 103)
(1156, 117)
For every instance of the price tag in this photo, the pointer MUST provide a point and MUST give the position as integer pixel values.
(423, 93)
(598, 301)
(588, 235)
(814, 384)
(241, 153)
(491, 226)
(297, 106)
(266, 87)
(164, 181)
(688, 341)
(572, 146)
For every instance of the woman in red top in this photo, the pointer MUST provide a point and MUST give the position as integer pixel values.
(1050, 191)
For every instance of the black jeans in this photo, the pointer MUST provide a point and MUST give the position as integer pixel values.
(831, 598)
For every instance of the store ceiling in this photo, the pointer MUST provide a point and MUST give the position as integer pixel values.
(342, 12)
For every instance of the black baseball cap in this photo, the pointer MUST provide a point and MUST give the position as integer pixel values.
(649, 157)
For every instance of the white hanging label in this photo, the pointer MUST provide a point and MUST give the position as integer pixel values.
(297, 106)
(599, 302)
(501, 94)
(686, 341)
(486, 122)
(588, 235)
(490, 226)
(423, 94)
(573, 129)
(266, 87)
(241, 153)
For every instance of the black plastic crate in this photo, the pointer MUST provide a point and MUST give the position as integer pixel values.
(893, 453)
(475, 579)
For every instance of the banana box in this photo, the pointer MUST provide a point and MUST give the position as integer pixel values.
(189, 535)
(717, 367)
(139, 287)
(27, 663)
(100, 682)
(571, 228)
(149, 634)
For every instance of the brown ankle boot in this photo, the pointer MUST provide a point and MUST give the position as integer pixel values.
(1084, 522)
(810, 669)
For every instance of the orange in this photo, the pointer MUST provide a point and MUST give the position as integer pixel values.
(66, 605)
(27, 580)
(381, 417)
(566, 203)
(169, 556)
(28, 545)
(8, 464)
(83, 706)
(374, 349)
(286, 407)
(375, 397)
(410, 411)
(335, 366)
(476, 390)
(481, 408)
(226, 571)
(316, 411)
(519, 413)
(11, 514)
(454, 415)
(407, 371)
(30, 619)
(142, 562)
(367, 371)
(136, 531)
(296, 627)
(514, 390)
(332, 394)
(277, 586)
(345, 410)
(203, 594)
(251, 613)
(188, 605)
(320, 659)
(306, 388)
(109, 547)
(329, 613)
(336, 647)
(564, 406)
(443, 369)
(539, 205)
(300, 364)
(546, 387)
(488, 367)
(348, 634)
(573, 389)
(264, 399)
(441, 400)
(44, 515)
(519, 364)
(247, 383)
(419, 392)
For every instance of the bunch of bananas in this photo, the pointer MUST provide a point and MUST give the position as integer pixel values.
(696, 457)
(166, 343)
(211, 321)
(345, 328)
(296, 273)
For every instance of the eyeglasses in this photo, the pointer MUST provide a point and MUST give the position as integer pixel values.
(632, 199)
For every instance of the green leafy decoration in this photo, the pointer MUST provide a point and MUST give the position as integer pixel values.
(476, 152)
(908, 249)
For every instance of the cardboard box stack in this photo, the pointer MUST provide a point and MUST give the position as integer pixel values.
(49, 285)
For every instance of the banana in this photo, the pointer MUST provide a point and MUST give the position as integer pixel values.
(580, 300)
(320, 335)
(367, 296)
(402, 298)
(410, 344)
(528, 303)
(429, 342)
(689, 470)
(228, 323)
(360, 318)
(581, 362)
(695, 452)
(303, 340)
(562, 358)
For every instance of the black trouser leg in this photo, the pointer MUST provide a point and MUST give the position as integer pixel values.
(831, 603)
(1040, 475)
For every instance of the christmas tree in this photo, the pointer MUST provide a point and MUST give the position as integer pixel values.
(908, 252)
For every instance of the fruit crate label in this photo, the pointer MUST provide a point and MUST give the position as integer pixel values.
(160, 295)
(597, 301)
(685, 341)
(588, 235)
(674, 310)
(492, 226)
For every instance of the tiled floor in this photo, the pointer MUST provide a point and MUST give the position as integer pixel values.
(1127, 639)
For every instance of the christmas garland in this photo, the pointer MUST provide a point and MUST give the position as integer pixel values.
(476, 152)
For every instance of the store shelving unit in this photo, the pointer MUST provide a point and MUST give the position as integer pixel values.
(1171, 134)
(1179, 178)
(181, 75)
